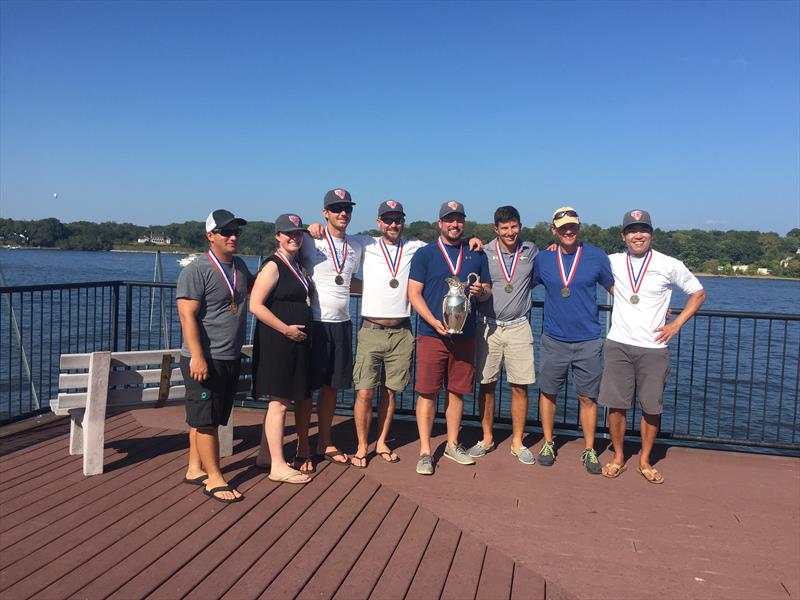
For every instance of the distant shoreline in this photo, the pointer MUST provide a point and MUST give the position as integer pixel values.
(173, 250)
(776, 277)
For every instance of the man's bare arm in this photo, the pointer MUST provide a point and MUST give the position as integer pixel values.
(187, 312)
(418, 302)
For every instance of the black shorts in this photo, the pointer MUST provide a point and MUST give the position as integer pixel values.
(332, 355)
(209, 403)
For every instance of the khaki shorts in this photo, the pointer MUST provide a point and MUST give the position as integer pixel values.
(512, 345)
(390, 348)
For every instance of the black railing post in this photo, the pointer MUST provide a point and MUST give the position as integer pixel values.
(128, 316)
(115, 317)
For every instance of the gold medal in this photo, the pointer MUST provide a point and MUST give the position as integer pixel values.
(234, 307)
(565, 292)
(393, 283)
(508, 288)
(339, 280)
(634, 299)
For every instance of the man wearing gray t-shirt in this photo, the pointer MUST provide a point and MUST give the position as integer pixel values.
(504, 333)
(211, 295)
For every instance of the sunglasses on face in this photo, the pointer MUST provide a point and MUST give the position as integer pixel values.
(392, 220)
(564, 213)
(228, 232)
(338, 208)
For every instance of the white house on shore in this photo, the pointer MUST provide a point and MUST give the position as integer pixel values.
(159, 239)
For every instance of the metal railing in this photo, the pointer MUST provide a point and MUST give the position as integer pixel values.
(734, 376)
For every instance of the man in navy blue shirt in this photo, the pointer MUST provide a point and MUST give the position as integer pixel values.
(439, 353)
(571, 337)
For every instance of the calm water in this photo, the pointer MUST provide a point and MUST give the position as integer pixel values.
(731, 378)
(31, 267)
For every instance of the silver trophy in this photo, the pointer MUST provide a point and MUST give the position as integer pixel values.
(456, 304)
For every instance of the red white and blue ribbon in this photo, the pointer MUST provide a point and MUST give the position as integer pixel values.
(295, 270)
(508, 273)
(566, 278)
(392, 263)
(454, 269)
(636, 280)
(230, 285)
(338, 265)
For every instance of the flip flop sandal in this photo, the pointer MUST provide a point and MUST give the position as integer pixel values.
(222, 488)
(652, 473)
(298, 461)
(288, 478)
(331, 457)
(352, 464)
(390, 459)
(199, 480)
(614, 470)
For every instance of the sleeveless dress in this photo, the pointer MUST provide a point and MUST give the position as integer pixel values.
(282, 367)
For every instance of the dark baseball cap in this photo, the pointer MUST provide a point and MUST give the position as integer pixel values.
(221, 218)
(337, 196)
(636, 216)
(390, 206)
(288, 223)
(448, 208)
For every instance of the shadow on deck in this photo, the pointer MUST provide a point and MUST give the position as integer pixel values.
(723, 525)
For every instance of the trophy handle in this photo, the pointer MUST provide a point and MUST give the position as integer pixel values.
(469, 284)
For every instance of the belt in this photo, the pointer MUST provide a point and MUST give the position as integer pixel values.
(490, 321)
(404, 324)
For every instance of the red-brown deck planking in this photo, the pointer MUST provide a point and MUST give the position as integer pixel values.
(495, 530)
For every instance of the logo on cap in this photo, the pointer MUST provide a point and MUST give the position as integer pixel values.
(453, 205)
(636, 214)
(340, 193)
(391, 204)
(295, 220)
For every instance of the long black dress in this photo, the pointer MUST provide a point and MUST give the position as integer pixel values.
(282, 367)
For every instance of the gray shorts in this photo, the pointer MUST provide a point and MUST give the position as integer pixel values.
(585, 358)
(633, 370)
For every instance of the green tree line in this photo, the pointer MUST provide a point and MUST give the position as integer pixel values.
(702, 251)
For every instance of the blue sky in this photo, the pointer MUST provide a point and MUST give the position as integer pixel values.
(155, 112)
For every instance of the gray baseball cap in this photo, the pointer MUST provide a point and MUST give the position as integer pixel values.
(635, 217)
(337, 196)
(390, 206)
(288, 223)
(448, 208)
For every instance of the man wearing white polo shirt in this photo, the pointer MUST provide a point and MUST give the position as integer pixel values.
(636, 353)
(385, 341)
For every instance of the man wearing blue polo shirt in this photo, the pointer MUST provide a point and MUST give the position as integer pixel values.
(440, 355)
(571, 337)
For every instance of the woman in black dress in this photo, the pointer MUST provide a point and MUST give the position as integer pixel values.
(280, 300)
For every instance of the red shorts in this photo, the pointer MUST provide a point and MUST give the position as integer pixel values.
(437, 358)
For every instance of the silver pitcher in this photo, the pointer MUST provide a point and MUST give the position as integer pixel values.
(456, 304)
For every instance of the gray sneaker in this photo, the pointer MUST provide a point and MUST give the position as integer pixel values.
(425, 465)
(525, 456)
(547, 454)
(458, 454)
(478, 450)
(589, 460)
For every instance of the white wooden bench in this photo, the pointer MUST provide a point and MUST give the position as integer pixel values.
(123, 380)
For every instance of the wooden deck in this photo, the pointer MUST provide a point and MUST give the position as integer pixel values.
(724, 525)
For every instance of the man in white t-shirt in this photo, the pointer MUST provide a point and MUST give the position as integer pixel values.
(636, 353)
(331, 262)
(385, 341)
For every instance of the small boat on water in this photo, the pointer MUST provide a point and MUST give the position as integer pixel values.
(187, 259)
